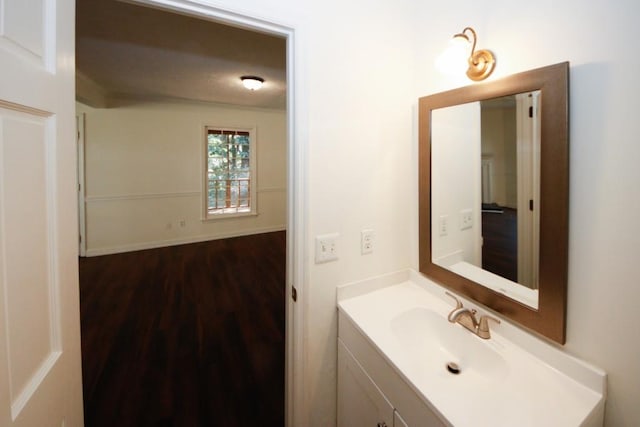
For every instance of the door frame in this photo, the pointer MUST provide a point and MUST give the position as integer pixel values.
(82, 228)
(295, 401)
(528, 182)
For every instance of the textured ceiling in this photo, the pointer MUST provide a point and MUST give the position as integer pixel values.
(134, 51)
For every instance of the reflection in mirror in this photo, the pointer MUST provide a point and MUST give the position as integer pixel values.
(494, 187)
(489, 151)
(510, 187)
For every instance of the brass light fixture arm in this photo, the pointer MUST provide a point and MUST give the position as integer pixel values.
(475, 39)
(481, 62)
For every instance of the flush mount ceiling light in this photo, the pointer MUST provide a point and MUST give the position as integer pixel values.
(252, 82)
(481, 62)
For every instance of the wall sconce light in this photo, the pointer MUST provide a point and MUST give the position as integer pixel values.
(252, 82)
(481, 62)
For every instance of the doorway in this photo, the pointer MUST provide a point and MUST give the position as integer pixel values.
(294, 219)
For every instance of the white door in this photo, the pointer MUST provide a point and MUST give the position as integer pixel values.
(40, 369)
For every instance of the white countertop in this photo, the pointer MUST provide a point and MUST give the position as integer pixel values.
(536, 385)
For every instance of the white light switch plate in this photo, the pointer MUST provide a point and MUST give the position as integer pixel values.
(327, 247)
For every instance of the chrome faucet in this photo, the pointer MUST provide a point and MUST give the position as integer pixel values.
(467, 318)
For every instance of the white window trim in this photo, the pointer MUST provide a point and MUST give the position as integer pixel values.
(253, 165)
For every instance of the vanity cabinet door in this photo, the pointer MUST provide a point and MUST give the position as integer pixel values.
(360, 401)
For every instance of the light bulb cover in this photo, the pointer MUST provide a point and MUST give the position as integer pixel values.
(453, 60)
(252, 82)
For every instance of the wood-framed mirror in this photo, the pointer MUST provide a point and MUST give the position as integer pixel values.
(498, 152)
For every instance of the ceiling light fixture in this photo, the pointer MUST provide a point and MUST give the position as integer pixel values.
(481, 62)
(252, 82)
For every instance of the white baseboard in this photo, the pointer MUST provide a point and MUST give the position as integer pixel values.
(180, 241)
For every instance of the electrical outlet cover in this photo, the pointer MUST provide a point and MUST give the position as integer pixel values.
(466, 219)
(366, 241)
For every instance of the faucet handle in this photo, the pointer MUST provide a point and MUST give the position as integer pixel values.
(458, 302)
(483, 326)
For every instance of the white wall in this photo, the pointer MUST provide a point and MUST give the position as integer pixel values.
(358, 56)
(360, 67)
(455, 150)
(499, 140)
(598, 38)
(144, 163)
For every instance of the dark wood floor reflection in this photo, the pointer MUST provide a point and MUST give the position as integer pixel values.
(189, 335)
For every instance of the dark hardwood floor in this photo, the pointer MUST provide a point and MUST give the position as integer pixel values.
(189, 335)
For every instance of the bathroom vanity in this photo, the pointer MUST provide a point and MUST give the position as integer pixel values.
(408, 353)
(395, 345)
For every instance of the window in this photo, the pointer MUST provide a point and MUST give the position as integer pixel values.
(230, 183)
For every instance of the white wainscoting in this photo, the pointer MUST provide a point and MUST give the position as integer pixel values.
(123, 223)
(143, 181)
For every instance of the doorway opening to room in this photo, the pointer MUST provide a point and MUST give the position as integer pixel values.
(183, 306)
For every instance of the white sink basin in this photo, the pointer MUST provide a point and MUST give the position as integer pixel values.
(499, 384)
(435, 342)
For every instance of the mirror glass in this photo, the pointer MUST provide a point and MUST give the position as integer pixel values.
(494, 190)
(488, 228)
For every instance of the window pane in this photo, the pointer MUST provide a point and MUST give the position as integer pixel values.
(228, 171)
(242, 139)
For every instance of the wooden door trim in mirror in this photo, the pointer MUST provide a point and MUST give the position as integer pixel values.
(549, 319)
